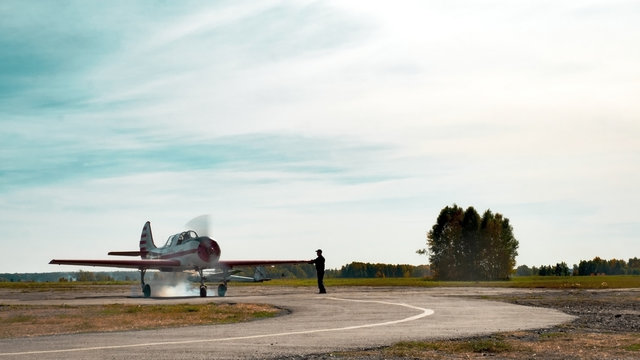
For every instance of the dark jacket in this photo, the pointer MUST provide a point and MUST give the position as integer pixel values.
(319, 261)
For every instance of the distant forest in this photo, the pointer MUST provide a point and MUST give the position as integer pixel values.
(298, 271)
(597, 266)
(352, 270)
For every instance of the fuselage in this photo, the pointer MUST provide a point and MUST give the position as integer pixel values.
(191, 250)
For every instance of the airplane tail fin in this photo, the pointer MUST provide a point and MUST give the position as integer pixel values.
(260, 275)
(146, 240)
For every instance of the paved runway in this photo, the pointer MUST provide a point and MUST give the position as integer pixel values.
(347, 318)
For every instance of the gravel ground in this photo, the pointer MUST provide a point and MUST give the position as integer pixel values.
(597, 310)
(607, 327)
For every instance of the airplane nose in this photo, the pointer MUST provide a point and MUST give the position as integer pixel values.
(208, 248)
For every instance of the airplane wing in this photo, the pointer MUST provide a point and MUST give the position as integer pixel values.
(161, 263)
(133, 264)
(231, 263)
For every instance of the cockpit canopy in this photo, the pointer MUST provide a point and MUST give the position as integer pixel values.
(181, 238)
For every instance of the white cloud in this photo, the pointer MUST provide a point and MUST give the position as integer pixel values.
(527, 108)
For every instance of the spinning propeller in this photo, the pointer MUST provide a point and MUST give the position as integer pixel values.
(208, 246)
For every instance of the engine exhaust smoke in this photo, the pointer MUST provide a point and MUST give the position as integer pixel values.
(172, 284)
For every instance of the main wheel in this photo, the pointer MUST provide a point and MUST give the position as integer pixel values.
(146, 290)
(203, 291)
(222, 290)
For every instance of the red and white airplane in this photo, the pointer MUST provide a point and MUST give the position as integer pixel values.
(185, 251)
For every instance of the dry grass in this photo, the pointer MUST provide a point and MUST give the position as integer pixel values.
(516, 345)
(36, 320)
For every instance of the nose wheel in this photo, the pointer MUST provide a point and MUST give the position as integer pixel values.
(146, 290)
(203, 286)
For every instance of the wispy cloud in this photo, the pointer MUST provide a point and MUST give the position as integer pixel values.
(347, 125)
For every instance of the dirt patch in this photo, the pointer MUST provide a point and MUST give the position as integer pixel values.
(36, 320)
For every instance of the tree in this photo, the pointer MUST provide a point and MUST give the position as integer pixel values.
(617, 267)
(524, 270)
(444, 243)
(633, 266)
(85, 276)
(464, 246)
(561, 269)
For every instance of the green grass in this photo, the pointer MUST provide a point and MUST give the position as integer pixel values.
(154, 310)
(16, 319)
(419, 349)
(633, 347)
(546, 282)
(493, 346)
(60, 286)
(552, 335)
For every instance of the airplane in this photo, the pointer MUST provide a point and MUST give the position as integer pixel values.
(185, 251)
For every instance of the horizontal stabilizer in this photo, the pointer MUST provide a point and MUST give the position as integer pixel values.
(128, 253)
(258, 276)
(246, 279)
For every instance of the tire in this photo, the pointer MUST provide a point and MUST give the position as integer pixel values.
(203, 291)
(222, 290)
(146, 290)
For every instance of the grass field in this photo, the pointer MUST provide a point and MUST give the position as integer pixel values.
(542, 282)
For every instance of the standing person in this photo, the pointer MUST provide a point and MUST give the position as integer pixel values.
(319, 261)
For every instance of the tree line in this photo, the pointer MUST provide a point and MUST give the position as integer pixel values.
(293, 271)
(68, 276)
(597, 266)
(367, 270)
(351, 270)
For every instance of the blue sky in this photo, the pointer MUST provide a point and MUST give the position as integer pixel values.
(297, 125)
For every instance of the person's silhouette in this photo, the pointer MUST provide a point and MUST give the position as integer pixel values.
(319, 261)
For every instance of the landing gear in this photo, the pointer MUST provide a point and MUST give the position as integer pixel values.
(222, 290)
(203, 286)
(146, 288)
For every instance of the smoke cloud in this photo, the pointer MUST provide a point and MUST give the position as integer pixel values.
(172, 284)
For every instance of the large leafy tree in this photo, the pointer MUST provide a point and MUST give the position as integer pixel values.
(465, 246)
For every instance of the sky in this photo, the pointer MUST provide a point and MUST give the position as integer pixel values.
(297, 125)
